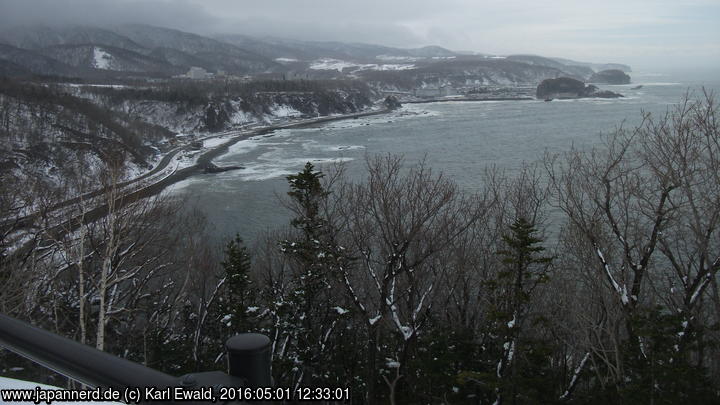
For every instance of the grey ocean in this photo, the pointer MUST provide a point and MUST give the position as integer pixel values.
(458, 138)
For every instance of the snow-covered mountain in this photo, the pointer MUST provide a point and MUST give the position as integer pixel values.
(143, 50)
(105, 57)
(125, 48)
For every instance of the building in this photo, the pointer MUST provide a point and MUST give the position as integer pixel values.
(198, 73)
(436, 91)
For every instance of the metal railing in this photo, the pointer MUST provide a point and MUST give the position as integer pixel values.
(248, 361)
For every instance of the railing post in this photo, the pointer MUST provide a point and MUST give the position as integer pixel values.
(249, 358)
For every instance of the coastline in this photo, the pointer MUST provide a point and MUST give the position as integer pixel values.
(206, 158)
(446, 100)
(158, 186)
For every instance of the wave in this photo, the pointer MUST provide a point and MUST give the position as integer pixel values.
(660, 84)
(243, 147)
(336, 148)
(271, 169)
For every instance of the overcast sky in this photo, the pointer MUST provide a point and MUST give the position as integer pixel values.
(643, 33)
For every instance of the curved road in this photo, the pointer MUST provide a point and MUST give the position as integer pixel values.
(59, 230)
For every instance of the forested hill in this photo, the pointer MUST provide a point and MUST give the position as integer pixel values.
(46, 132)
(189, 106)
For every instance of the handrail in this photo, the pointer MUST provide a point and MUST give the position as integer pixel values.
(248, 360)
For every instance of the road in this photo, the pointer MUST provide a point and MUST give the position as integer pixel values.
(57, 231)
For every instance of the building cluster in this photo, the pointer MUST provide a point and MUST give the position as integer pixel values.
(198, 73)
(443, 90)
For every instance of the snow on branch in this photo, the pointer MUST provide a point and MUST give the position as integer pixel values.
(573, 380)
(621, 291)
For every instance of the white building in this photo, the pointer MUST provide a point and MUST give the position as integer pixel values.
(197, 73)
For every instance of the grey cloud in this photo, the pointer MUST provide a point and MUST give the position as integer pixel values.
(173, 14)
(377, 33)
(594, 31)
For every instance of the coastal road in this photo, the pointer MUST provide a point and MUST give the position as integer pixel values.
(27, 220)
(57, 231)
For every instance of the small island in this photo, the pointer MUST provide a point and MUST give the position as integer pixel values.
(568, 88)
(610, 76)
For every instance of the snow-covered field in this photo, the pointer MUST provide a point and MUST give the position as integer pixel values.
(340, 65)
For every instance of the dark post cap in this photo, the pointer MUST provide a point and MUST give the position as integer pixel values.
(247, 342)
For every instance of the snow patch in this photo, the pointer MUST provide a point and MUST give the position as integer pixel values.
(390, 363)
(397, 58)
(340, 65)
(101, 59)
(284, 111)
(213, 142)
(341, 310)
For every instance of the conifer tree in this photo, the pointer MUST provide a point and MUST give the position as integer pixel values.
(313, 314)
(240, 292)
(524, 268)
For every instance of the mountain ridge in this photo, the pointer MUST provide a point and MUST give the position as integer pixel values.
(100, 53)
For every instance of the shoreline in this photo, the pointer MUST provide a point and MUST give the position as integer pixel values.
(203, 161)
(446, 100)
(207, 157)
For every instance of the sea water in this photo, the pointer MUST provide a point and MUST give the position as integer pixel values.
(460, 139)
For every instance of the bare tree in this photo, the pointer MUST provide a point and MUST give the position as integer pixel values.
(396, 224)
(645, 206)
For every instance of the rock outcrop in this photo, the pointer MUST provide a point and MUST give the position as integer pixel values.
(392, 103)
(565, 87)
(610, 76)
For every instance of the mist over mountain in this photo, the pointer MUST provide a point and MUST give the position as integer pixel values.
(129, 50)
(654, 34)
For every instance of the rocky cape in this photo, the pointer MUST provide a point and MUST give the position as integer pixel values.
(610, 76)
(565, 88)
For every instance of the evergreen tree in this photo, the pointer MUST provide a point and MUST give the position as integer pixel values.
(307, 192)
(314, 316)
(521, 366)
(664, 373)
(234, 307)
(239, 298)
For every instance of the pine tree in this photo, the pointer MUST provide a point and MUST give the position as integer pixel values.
(524, 268)
(235, 308)
(307, 192)
(240, 294)
(311, 315)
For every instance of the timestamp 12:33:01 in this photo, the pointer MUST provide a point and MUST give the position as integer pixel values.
(284, 394)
